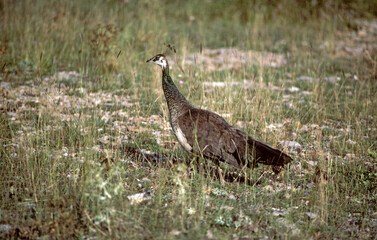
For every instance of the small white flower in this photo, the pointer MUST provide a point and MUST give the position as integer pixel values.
(191, 211)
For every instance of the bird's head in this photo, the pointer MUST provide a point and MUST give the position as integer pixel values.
(160, 60)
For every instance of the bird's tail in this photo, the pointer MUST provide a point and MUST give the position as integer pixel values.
(264, 154)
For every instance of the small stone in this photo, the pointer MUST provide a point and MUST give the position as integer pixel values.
(5, 228)
(214, 84)
(278, 212)
(231, 196)
(268, 188)
(139, 198)
(271, 126)
(306, 93)
(332, 79)
(312, 163)
(209, 235)
(293, 89)
(291, 146)
(311, 215)
(175, 232)
(349, 156)
(305, 78)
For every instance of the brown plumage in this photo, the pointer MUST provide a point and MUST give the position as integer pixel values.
(203, 132)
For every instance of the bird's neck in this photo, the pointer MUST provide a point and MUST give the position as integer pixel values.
(165, 70)
(175, 100)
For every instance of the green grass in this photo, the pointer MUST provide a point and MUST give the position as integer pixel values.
(70, 146)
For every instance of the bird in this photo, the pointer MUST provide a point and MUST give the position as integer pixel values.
(206, 133)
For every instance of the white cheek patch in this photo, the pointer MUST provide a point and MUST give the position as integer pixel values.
(163, 63)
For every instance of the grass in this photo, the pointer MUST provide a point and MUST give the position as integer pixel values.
(71, 144)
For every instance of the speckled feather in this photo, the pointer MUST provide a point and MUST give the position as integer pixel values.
(203, 132)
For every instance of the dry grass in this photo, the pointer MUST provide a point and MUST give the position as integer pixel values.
(85, 142)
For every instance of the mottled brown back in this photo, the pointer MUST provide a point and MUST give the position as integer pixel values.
(212, 136)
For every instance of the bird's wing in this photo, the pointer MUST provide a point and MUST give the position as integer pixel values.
(210, 135)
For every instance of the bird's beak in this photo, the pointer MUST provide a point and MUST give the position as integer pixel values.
(150, 59)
